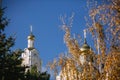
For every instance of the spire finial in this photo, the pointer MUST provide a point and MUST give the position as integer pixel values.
(30, 28)
(84, 35)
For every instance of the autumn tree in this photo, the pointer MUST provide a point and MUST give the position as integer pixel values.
(105, 26)
(101, 63)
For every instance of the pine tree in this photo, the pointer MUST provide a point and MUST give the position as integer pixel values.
(33, 74)
(10, 61)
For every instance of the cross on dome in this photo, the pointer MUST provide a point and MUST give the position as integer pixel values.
(30, 28)
(84, 33)
(84, 36)
(85, 45)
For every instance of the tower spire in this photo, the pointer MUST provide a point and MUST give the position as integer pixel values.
(30, 28)
(85, 45)
(31, 38)
(84, 36)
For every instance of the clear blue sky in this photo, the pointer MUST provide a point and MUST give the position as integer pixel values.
(44, 15)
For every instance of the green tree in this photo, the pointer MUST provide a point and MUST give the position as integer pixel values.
(44, 76)
(33, 74)
(10, 61)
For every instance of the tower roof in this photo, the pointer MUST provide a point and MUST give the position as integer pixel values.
(85, 45)
(31, 36)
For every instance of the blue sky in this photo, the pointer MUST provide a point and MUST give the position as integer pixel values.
(44, 16)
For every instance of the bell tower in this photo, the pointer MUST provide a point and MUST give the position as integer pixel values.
(84, 49)
(30, 55)
(31, 39)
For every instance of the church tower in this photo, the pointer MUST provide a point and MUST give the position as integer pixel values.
(30, 55)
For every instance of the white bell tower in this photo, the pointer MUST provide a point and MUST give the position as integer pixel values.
(31, 39)
(31, 56)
